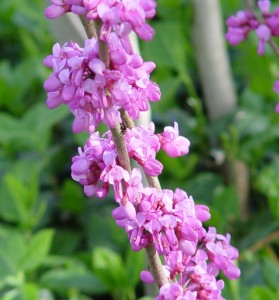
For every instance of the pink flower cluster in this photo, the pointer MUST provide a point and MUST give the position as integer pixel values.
(120, 16)
(193, 256)
(97, 162)
(194, 277)
(240, 25)
(170, 220)
(95, 92)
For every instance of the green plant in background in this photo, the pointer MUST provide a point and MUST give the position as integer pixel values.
(50, 235)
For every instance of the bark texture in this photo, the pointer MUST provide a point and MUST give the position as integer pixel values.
(212, 59)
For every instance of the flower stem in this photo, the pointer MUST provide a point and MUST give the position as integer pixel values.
(154, 262)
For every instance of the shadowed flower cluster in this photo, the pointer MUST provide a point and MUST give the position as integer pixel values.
(240, 25)
(265, 27)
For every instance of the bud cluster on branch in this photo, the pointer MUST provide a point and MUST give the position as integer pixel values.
(106, 81)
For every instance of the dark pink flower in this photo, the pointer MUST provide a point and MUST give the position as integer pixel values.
(263, 32)
(172, 143)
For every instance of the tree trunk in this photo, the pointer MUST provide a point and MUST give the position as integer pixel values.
(217, 84)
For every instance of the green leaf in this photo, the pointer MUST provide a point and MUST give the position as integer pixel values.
(65, 241)
(135, 262)
(64, 280)
(249, 64)
(13, 294)
(168, 87)
(110, 269)
(12, 251)
(202, 186)
(167, 33)
(18, 199)
(40, 119)
(72, 198)
(268, 183)
(250, 123)
(226, 203)
(32, 130)
(37, 249)
(9, 128)
(30, 291)
(262, 293)
(12, 193)
(271, 273)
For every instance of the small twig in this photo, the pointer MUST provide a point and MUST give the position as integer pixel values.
(274, 47)
(120, 145)
(265, 241)
(155, 265)
(89, 27)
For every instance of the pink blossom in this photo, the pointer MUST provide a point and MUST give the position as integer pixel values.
(239, 26)
(57, 9)
(263, 32)
(174, 291)
(172, 143)
(142, 146)
(120, 16)
(146, 277)
(236, 35)
(97, 157)
(264, 6)
(94, 93)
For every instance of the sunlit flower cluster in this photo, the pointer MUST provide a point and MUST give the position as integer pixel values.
(96, 91)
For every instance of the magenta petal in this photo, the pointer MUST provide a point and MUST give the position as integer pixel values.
(80, 166)
(79, 125)
(68, 93)
(52, 84)
(146, 277)
(97, 66)
(53, 100)
(129, 210)
(90, 190)
(232, 272)
(54, 11)
(119, 213)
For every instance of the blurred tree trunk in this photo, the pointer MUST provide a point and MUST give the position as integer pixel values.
(217, 83)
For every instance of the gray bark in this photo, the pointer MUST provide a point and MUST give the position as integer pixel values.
(214, 68)
(217, 84)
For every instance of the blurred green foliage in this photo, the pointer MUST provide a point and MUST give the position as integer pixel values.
(57, 244)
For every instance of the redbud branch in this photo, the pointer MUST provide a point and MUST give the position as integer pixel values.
(265, 241)
(103, 47)
(154, 262)
(274, 47)
(120, 145)
(92, 30)
(89, 27)
(126, 119)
